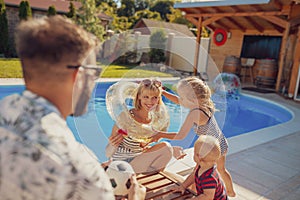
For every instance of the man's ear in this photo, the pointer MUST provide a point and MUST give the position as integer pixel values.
(74, 74)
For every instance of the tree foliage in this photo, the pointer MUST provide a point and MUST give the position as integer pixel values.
(24, 10)
(157, 44)
(89, 19)
(142, 5)
(72, 11)
(163, 7)
(51, 11)
(3, 28)
(127, 8)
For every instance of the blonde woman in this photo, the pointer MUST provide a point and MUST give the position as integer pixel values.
(131, 143)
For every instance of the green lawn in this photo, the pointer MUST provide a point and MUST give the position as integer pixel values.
(11, 68)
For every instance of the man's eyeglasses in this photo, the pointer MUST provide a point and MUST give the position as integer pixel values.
(148, 82)
(92, 70)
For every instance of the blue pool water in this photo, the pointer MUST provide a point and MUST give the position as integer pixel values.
(241, 116)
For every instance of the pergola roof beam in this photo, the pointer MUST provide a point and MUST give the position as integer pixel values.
(275, 20)
(255, 24)
(251, 21)
(208, 3)
(276, 4)
(240, 14)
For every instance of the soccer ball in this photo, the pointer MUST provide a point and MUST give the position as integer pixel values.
(119, 173)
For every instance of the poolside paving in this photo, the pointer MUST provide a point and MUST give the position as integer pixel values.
(268, 171)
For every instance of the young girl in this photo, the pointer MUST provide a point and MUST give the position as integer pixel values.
(196, 95)
(135, 150)
(205, 176)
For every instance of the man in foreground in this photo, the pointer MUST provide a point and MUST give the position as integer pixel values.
(39, 156)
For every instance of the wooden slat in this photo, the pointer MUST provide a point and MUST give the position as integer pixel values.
(158, 186)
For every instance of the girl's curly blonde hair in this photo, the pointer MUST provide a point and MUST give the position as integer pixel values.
(196, 88)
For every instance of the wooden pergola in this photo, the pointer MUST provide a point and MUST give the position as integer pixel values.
(259, 17)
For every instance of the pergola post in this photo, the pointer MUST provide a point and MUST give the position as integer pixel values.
(295, 69)
(282, 55)
(198, 42)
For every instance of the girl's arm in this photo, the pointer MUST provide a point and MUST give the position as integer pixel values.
(172, 97)
(183, 132)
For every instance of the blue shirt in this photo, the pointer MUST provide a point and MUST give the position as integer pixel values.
(39, 156)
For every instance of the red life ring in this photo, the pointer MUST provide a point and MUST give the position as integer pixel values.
(220, 37)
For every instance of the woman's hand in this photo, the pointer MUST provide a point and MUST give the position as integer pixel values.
(156, 137)
(116, 140)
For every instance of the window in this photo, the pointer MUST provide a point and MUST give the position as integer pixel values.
(261, 47)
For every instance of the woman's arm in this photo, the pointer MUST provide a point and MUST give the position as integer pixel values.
(172, 97)
(113, 142)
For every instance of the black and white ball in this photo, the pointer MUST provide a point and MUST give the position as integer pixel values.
(119, 173)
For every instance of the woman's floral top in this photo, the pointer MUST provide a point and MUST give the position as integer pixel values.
(40, 158)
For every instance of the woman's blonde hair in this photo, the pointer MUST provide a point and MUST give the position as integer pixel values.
(152, 87)
(196, 88)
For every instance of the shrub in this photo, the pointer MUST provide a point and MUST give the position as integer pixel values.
(24, 10)
(4, 29)
(72, 11)
(158, 45)
(51, 11)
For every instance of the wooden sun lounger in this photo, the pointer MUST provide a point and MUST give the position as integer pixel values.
(158, 186)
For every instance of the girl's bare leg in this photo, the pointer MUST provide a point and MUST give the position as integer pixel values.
(225, 176)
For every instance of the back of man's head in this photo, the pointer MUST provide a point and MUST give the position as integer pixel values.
(52, 39)
(46, 42)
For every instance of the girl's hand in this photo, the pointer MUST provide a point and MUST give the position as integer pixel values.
(178, 152)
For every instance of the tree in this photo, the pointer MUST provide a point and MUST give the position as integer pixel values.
(158, 45)
(127, 8)
(122, 24)
(163, 7)
(51, 11)
(72, 11)
(147, 14)
(141, 5)
(3, 28)
(24, 10)
(89, 20)
(111, 3)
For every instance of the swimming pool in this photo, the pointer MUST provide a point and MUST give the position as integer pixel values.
(241, 116)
